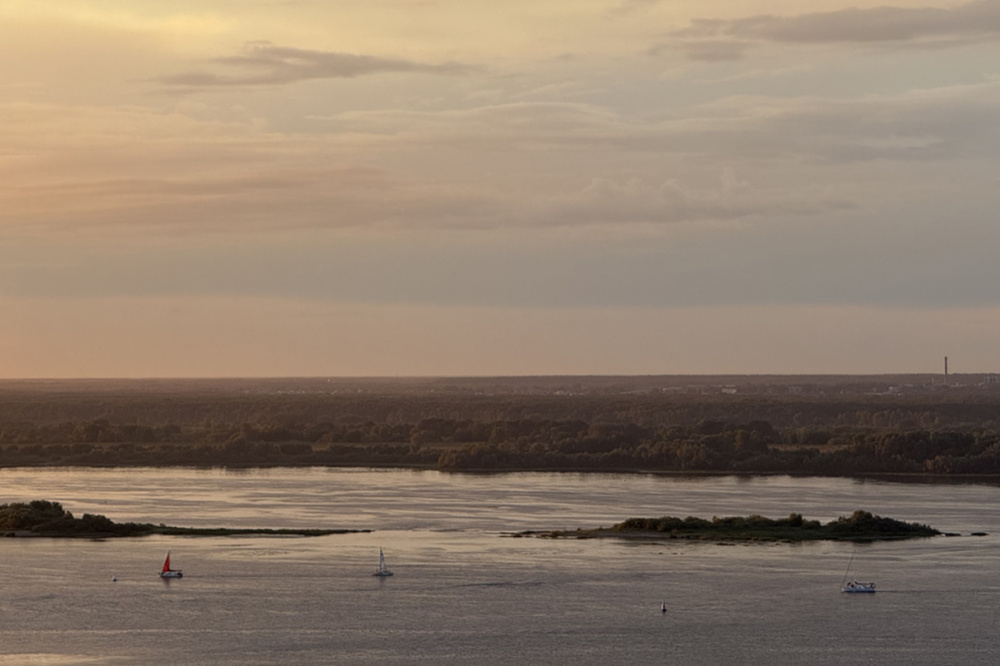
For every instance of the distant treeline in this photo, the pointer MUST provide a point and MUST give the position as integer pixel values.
(200, 409)
(713, 446)
(466, 445)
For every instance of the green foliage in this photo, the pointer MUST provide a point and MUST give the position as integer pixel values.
(542, 445)
(45, 517)
(864, 523)
(22, 516)
(456, 429)
(861, 525)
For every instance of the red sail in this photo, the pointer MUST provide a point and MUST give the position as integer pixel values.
(166, 563)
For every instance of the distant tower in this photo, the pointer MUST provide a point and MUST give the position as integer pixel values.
(946, 367)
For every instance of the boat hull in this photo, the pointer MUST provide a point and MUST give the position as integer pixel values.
(859, 588)
(171, 574)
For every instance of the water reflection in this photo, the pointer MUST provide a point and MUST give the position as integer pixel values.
(428, 500)
(461, 592)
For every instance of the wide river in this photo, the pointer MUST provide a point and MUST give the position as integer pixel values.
(463, 593)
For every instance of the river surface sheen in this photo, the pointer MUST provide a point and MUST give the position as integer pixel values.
(464, 593)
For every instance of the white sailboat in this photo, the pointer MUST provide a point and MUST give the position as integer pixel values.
(167, 572)
(382, 570)
(855, 586)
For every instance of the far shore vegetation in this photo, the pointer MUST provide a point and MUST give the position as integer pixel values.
(729, 425)
(860, 526)
(44, 518)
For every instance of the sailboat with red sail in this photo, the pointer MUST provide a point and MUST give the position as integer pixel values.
(167, 572)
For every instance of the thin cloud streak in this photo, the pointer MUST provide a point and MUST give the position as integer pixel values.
(265, 64)
(921, 125)
(630, 6)
(235, 176)
(719, 39)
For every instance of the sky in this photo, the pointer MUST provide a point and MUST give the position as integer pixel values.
(229, 188)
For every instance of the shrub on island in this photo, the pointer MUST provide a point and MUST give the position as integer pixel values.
(861, 525)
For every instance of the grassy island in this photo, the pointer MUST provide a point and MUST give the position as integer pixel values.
(49, 519)
(860, 526)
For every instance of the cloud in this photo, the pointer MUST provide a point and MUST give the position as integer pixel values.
(706, 39)
(638, 201)
(711, 50)
(265, 64)
(630, 6)
(946, 123)
(525, 165)
(942, 124)
(528, 124)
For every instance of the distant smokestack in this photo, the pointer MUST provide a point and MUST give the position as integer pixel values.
(945, 366)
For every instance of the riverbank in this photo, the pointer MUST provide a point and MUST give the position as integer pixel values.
(896, 477)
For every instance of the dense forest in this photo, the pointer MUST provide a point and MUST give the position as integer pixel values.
(820, 428)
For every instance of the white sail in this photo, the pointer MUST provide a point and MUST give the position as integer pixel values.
(382, 570)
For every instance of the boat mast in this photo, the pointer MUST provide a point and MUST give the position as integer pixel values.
(848, 569)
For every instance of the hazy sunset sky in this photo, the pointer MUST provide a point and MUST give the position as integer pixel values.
(424, 187)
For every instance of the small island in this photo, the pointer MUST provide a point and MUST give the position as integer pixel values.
(42, 518)
(860, 526)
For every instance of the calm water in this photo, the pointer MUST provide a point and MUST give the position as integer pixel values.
(464, 593)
